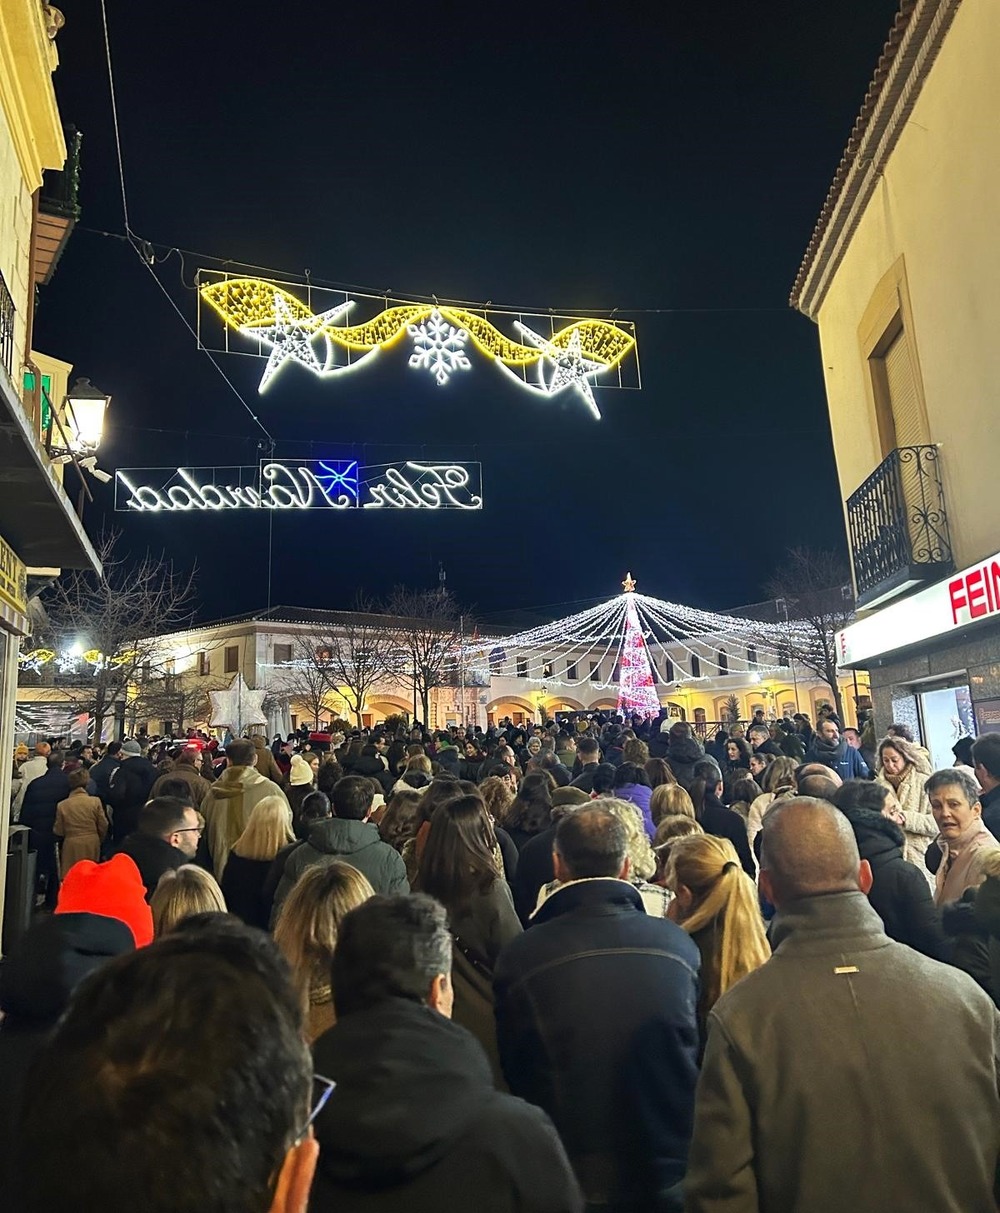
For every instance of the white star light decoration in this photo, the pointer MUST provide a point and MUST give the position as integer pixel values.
(570, 368)
(292, 338)
(237, 707)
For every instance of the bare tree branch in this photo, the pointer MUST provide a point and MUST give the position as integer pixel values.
(427, 634)
(357, 653)
(815, 587)
(119, 618)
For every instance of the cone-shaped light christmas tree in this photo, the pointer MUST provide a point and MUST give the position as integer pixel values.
(636, 688)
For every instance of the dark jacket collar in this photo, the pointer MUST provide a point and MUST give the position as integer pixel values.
(988, 799)
(603, 893)
(832, 922)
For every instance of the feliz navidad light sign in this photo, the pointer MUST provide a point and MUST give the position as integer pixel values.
(272, 320)
(301, 484)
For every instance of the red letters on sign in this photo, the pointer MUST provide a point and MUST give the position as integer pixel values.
(957, 597)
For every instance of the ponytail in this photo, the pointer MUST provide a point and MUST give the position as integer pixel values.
(724, 895)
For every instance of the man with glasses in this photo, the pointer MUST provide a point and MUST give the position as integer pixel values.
(415, 1122)
(177, 1081)
(167, 836)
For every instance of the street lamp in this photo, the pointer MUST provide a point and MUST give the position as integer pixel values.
(85, 409)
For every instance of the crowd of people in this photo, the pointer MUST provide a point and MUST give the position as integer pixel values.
(597, 964)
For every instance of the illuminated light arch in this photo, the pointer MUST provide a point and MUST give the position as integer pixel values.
(573, 358)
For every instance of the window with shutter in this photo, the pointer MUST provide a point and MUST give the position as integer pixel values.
(904, 398)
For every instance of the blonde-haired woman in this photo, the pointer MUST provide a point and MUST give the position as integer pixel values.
(670, 800)
(776, 780)
(267, 831)
(182, 892)
(715, 901)
(306, 932)
(905, 770)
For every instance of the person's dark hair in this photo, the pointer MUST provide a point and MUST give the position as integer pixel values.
(818, 787)
(114, 749)
(530, 809)
(330, 774)
(390, 947)
(241, 752)
(555, 768)
(985, 751)
(369, 751)
(603, 779)
(950, 777)
(401, 818)
(352, 797)
(592, 843)
(458, 855)
(707, 769)
(744, 791)
(315, 807)
(743, 749)
(962, 749)
(161, 816)
(630, 772)
(189, 1049)
(658, 771)
(588, 750)
(177, 789)
(441, 790)
(861, 794)
(900, 730)
(680, 730)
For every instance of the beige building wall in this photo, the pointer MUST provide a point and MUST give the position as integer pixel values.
(935, 208)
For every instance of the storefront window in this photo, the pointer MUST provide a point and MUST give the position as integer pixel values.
(946, 715)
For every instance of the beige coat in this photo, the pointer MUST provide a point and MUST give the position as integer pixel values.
(82, 825)
(962, 862)
(919, 825)
(227, 808)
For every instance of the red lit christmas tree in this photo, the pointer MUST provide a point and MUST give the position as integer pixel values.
(636, 688)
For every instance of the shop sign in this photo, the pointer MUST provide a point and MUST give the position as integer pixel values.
(13, 579)
(971, 596)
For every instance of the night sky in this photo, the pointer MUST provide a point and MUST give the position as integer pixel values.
(648, 156)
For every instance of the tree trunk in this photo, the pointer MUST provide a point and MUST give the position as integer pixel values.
(425, 703)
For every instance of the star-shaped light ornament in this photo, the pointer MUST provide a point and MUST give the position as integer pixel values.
(628, 585)
(570, 368)
(291, 337)
(237, 707)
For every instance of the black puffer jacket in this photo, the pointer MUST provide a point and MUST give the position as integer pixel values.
(900, 894)
(682, 755)
(414, 1123)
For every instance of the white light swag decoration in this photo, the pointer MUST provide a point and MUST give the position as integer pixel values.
(237, 707)
(672, 633)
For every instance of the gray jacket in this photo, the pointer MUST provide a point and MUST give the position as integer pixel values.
(354, 842)
(847, 1073)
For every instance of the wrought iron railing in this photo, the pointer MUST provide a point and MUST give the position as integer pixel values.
(60, 191)
(898, 524)
(6, 328)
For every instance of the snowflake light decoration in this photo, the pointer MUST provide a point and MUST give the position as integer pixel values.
(438, 347)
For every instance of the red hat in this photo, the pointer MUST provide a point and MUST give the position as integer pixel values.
(113, 889)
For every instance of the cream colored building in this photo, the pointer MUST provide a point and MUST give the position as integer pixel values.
(902, 277)
(264, 647)
(39, 528)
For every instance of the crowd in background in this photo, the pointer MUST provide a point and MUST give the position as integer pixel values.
(584, 964)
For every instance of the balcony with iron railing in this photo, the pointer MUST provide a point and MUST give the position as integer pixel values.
(898, 526)
(7, 314)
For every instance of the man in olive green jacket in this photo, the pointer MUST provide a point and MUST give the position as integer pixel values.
(848, 1072)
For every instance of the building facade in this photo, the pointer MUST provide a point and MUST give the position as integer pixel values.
(272, 650)
(40, 531)
(902, 278)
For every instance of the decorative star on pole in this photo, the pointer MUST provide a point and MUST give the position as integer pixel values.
(292, 337)
(628, 584)
(571, 369)
(237, 707)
